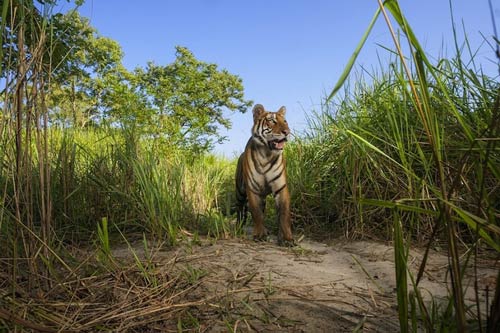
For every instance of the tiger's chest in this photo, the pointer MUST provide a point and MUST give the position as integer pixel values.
(266, 173)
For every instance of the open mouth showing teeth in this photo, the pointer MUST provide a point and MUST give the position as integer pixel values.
(277, 144)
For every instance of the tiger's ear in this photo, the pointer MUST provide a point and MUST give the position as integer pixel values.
(282, 111)
(257, 111)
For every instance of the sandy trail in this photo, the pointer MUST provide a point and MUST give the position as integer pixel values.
(315, 287)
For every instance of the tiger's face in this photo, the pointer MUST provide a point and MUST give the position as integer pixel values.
(270, 128)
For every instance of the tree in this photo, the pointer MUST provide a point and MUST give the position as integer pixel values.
(49, 35)
(77, 79)
(184, 102)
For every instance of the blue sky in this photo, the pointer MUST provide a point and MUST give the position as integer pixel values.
(288, 52)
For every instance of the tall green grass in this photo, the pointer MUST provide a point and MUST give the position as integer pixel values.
(409, 154)
(101, 174)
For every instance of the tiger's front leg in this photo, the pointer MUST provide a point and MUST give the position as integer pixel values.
(256, 206)
(282, 200)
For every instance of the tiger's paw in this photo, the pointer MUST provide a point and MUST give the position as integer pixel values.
(287, 243)
(262, 238)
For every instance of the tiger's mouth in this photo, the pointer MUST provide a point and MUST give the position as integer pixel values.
(277, 144)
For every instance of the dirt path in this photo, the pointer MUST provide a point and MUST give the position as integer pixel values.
(315, 287)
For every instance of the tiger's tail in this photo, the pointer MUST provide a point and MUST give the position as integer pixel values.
(241, 195)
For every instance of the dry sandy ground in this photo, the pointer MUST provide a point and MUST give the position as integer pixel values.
(315, 287)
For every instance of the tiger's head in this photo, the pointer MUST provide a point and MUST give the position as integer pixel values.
(270, 129)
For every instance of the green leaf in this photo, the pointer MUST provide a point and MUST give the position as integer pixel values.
(353, 58)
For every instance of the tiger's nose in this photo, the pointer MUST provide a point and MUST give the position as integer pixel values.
(286, 131)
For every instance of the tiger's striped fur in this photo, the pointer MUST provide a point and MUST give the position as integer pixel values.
(261, 171)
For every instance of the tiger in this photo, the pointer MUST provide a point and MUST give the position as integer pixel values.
(261, 171)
